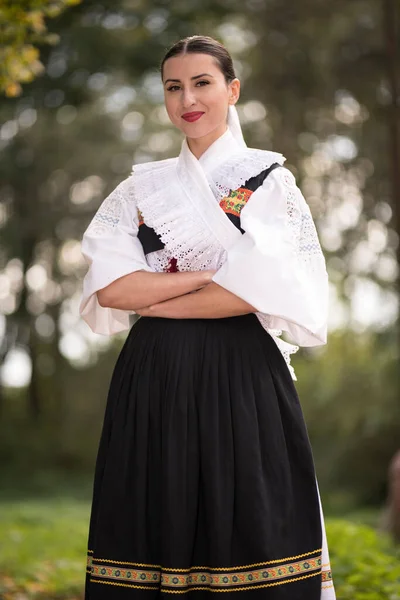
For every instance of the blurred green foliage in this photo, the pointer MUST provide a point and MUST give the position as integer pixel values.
(350, 397)
(22, 28)
(43, 550)
(366, 565)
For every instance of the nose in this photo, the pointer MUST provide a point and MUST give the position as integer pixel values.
(188, 98)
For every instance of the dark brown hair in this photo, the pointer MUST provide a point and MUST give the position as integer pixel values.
(202, 44)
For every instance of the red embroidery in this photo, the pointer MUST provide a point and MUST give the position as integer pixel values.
(172, 266)
(235, 201)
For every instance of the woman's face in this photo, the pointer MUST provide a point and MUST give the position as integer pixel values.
(197, 95)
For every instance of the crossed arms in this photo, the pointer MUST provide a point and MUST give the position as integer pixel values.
(188, 295)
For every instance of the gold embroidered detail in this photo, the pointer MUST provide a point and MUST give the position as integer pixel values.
(234, 579)
(243, 589)
(253, 587)
(133, 575)
(326, 576)
(197, 577)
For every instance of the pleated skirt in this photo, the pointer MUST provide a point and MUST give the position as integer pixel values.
(204, 478)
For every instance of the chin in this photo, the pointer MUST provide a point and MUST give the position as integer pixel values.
(201, 131)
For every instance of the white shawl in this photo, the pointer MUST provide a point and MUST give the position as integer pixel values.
(276, 266)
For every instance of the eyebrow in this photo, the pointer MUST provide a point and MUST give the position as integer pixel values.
(195, 77)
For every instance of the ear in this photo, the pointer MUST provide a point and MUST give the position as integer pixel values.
(234, 91)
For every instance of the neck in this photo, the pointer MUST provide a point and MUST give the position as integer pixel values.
(199, 145)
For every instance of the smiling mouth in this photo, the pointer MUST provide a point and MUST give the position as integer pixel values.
(193, 116)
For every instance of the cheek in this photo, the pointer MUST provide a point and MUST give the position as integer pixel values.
(218, 97)
(170, 107)
(218, 103)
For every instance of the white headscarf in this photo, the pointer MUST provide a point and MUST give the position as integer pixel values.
(234, 125)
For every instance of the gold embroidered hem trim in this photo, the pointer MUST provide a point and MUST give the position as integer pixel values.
(326, 576)
(240, 589)
(205, 578)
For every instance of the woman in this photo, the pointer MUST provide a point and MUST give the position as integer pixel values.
(204, 477)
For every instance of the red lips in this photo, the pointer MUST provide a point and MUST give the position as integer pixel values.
(192, 116)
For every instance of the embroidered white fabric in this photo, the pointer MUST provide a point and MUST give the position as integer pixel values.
(286, 349)
(300, 222)
(233, 173)
(155, 190)
(159, 260)
(280, 242)
(112, 250)
(108, 215)
(180, 229)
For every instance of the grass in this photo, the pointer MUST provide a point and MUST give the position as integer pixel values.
(43, 549)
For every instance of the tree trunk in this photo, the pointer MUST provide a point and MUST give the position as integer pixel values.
(392, 37)
(34, 397)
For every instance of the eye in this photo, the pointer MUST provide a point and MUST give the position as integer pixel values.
(200, 83)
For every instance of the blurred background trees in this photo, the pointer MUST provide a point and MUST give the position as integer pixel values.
(320, 85)
(23, 26)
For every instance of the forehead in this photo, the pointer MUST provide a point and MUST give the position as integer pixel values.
(190, 65)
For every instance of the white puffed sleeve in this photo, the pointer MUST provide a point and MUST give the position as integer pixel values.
(112, 249)
(277, 265)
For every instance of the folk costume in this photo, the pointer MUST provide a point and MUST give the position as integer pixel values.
(204, 478)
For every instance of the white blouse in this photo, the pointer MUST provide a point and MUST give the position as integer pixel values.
(276, 265)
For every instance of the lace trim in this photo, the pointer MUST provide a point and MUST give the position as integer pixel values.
(239, 168)
(159, 199)
(300, 223)
(285, 348)
(309, 245)
(159, 260)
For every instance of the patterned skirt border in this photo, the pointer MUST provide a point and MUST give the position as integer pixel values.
(233, 579)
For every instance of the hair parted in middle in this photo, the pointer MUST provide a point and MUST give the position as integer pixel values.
(203, 44)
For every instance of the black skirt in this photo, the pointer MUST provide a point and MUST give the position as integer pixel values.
(204, 478)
